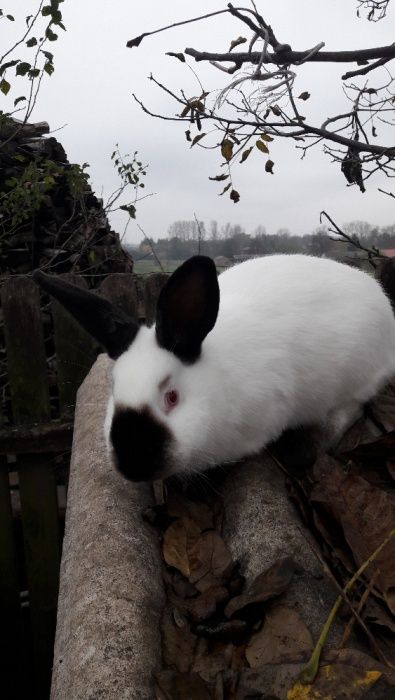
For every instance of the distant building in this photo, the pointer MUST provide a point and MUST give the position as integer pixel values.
(242, 257)
(388, 252)
(222, 261)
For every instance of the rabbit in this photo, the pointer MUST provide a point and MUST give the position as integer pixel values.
(275, 343)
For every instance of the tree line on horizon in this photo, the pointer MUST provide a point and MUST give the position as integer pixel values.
(186, 238)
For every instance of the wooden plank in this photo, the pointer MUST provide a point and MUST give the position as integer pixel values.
(39, 513)
(10, 627)
(27, 372)
(120, 289)
(75, 350)
(55, 436)
(153, 286)
(26, 363)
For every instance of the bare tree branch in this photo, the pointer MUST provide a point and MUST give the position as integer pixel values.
(295, 57)
(260, 100)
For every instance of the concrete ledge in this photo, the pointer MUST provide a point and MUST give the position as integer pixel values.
(111, 597)
(108, 642)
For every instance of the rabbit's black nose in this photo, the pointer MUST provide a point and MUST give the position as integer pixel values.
(140, 444)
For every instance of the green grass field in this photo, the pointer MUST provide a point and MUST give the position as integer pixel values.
(145, 267)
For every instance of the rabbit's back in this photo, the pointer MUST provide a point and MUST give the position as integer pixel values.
(308, 334)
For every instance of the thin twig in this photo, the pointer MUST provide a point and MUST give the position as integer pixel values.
(151, 246)
(311, 669)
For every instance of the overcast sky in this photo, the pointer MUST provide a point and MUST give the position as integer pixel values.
(90, 93)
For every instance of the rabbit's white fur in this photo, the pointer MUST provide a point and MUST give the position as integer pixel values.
(298, 341)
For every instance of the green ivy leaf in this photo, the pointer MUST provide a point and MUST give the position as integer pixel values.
(47, 55)
(234, 196)
(22, 68)
(31, 42)
(266, 137)
(18, 100)
(9, 64)
(49, 68)
(5, 86)
(130, 208)
(34, 73)
(51, 36)
(56, 16)
(46, 11)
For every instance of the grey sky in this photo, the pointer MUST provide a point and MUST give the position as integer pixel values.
(95, 75)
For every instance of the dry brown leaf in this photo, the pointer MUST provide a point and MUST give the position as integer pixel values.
(268, 584)
(237, 42)
(178, 642)
(381, 449)
(269, 166)
(210, 561)
(366, 514)
(180, 686)
(348, 674)
(352, 437)
(227, 149)
(228, 631)
(203, 606)
(246, 153)
(383, 407)
(179, 506)
(262, 146)
(336, 681)
(212, 658)
(178, 540)
(284, 638)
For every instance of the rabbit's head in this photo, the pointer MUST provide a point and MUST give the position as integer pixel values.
(157, 405)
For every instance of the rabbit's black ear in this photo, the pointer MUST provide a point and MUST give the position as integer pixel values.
(105, 322)
(187, 308)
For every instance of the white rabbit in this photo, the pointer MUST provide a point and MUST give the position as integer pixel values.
(298, 341)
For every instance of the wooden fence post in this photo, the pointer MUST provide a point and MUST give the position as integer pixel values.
(27, 372)
(153, 286)
(75, 350)
(120, 289)
(10, 627)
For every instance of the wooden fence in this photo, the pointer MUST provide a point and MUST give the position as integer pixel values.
(44, 357)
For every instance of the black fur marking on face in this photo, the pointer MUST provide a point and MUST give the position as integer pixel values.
(140, 444)
(187, 308)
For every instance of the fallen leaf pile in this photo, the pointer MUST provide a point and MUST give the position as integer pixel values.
(224, 637)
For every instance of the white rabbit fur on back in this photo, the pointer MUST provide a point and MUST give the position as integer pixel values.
(298, 341)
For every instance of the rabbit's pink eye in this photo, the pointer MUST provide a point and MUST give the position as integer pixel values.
(171, 398)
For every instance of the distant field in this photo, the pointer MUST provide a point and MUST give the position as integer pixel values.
(144, 267)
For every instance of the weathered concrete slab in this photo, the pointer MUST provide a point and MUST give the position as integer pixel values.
(263, 526)
(111, 596)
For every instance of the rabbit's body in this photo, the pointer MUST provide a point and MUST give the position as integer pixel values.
(297, 341)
